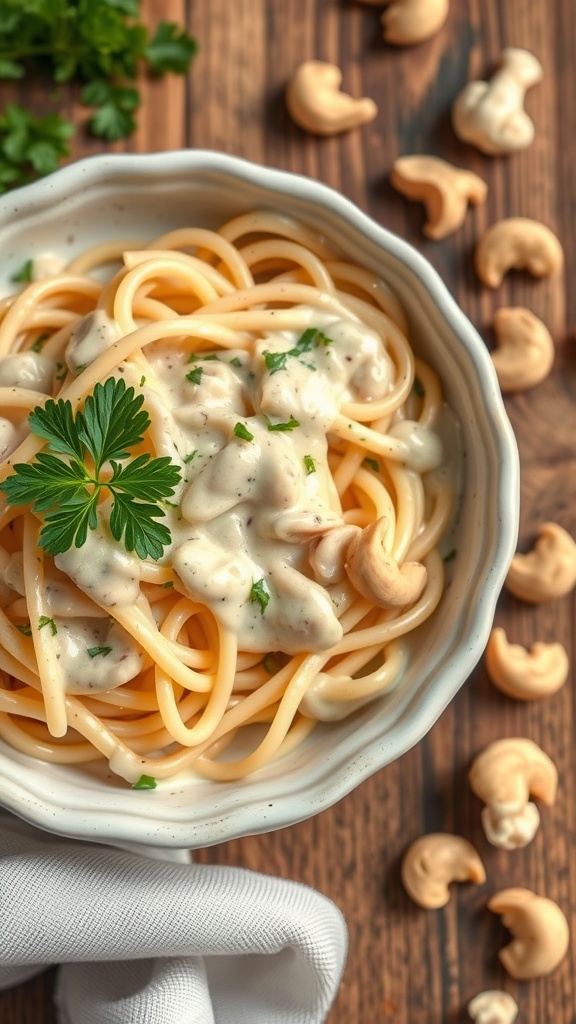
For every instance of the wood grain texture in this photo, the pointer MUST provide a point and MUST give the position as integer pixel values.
(405, 964)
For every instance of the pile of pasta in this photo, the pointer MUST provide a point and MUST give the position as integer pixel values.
(198, 690)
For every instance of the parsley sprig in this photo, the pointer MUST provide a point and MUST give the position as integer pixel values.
(67, 480)
(101, 44)
(30, 146)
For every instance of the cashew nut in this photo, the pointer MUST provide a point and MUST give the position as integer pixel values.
(315, 102)
(504, 776)
(540, 930)
(548, 571)
(493, 1007)
(490, 115)
(525, 674)
(519, 243)
(444, 189)
(377, 576)
(525, 351)
(412, 21)
(432, 862)
(327, 554)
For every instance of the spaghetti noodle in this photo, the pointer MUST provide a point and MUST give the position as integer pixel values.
(304, 531)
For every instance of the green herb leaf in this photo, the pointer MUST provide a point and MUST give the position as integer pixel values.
(30, 146)
(417, 388)
(167, 586)
(145, 782)
(24, 273)
(93, 652)
(39, 343)
(450, 556)
(241, 431)
(259, 592)
(25, 628)
(111, 424)
(236, 362)
(309, 465)
(372, 464)
(276, 361)
(289, 425)
(195, 375)
(170, 49)
(45, 620)
(191, 455)
(312, 337)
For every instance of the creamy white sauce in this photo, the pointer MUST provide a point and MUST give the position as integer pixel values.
(28, 370)
(103, 569)
(86, 669)
(47, 264)
(91, 336)
(248, 511)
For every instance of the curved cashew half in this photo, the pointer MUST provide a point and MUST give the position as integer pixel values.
(519, 243)
(327, 554)
(432, 862)
(377, 576)
(444, 189)
(525, 674)
(525, 349)
(412, 21)
(548, 571)
(504, 776)
(315, 102)
(540, 930)
(493, 1007)
(490, 115)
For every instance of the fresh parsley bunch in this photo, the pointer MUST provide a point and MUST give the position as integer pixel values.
(66, 480)
(30, 146)
(100, 43)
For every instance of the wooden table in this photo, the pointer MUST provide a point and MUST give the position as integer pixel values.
(406, 964)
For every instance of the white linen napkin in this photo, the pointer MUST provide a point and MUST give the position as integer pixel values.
(143, 941)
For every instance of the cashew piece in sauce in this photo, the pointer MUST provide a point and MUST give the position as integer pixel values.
(517, 243)
(493, 1007)
(504, 776)
(406, 22)
(444, 189)
(377, 576)
(525, 674)
(540, 930)
(433, 861)
(491, 115)
(316, 104)
(548, 571)
(525, 350)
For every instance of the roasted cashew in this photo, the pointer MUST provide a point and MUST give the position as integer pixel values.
(433, 861)
(504, 776)
(519, 243)
(493, 1007)
(525, 674)
(377, 576)
(327, 554)
(490, 115)
(316, 104)
(444, 189)
(548, 571)
(540, 930)
(525, 349)
(412, 21)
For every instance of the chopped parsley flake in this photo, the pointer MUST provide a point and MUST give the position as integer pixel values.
(25, 628)
(309, 465)
(417, 387)
(450, 556)
(236, 362)
(45, 620)
(39, 343)
(195, 375)
(241, 431)
(190, 456)
(311, 338)
(167, 585)
(95, 651)
(372, 464)
(81, 368)
(24, 273)
(142, 381)
(145, 782)
(289, 425)
(259, 592)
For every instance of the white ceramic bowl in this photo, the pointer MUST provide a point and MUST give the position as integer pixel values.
(142, 196)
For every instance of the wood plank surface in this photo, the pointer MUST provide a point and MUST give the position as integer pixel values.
(407, 965)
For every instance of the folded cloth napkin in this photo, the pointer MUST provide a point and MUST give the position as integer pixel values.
(142, 941)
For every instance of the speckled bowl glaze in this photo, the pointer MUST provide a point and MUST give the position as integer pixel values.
(142, 196)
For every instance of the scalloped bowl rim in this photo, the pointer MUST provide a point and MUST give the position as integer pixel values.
(78, 808)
